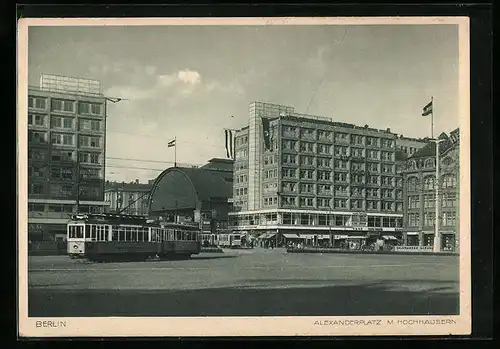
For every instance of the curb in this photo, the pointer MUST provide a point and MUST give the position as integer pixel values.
(373, 252)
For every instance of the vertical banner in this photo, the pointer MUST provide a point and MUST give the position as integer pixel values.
(227, 142)
(231, 144)
(265, 130)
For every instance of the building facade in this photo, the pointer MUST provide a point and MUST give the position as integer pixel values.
(303, 174)
(128, 198)
(420, 194)
(66, 153)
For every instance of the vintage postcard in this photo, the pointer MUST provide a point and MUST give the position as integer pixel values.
(243, 177)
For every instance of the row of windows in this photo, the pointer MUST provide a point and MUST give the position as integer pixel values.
(62, 190)
(241, 140)
(62, 208)
(428, 163)
(305, 160)
(240, 165)
(241, 191)
(340, 203)
(446, 199)
(318, 220)
(64, 122)
(428, 182)
(100, 232)
(241, 178)
(294, 131)
(339, 190)
(326, 149)
(67, 106)
(65, 155)
(448, 219)
(39, 137)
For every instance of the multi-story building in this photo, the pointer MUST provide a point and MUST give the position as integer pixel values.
(66, 153)
(303, 174)
(128, 198)
(420, 194)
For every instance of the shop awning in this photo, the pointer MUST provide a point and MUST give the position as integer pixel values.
(291, 236)
(339, 237)
(389, 237)
(306, 236)
(266, 235)
(356, 237)
(412, 233)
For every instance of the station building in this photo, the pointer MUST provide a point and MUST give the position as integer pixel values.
(420, 194)
(192, 194)
(306, 176)
(66, 153)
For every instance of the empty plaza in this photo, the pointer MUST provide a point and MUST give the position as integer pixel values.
(256, 282)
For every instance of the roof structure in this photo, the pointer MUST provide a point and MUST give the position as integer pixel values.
(208, 184)
(430, 148)
(184, 188)
(218, 164)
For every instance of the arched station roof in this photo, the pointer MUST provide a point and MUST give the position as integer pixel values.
(183, 188)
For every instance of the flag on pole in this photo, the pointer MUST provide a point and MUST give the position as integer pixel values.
(265, 130)
(171, 143)
(231, 144)
(427, 109)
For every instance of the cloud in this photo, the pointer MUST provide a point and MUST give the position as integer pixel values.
(144, 84)
(189, 77)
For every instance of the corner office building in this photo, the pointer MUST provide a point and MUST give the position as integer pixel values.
(66, 153)
(304, 176)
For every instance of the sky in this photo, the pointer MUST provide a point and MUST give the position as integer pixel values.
(187, 81)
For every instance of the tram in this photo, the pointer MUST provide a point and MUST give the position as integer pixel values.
(209, 240)
(106, 237)
(229, 240)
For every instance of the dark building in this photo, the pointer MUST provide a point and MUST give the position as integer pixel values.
(194, 194)
(420, 194)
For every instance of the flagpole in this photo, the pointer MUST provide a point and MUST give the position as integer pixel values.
(175, 151)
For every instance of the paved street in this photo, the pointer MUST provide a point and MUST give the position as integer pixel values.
(255, 282)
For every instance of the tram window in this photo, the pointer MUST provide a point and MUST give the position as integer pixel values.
(114, 233)
(140, 235)
(128, 234)
(93, 232)
(79, 231)
(121, 234)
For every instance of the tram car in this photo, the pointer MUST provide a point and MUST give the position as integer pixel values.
(209, 240)
(229, 240)
(105, 237)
